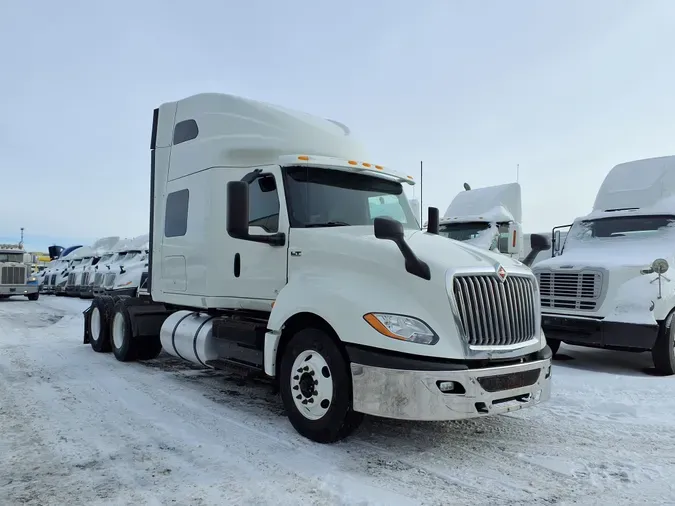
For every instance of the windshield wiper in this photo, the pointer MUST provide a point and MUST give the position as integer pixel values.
(328, 224)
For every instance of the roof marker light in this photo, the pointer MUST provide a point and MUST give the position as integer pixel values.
(304, 158)
(379, 167)
(365, 164)
(352, 162)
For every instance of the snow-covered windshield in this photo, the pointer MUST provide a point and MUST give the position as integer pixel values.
(618, 227)
(324, 198)
(132, 255)
(76, 262)
(105, 258)
(463, 231)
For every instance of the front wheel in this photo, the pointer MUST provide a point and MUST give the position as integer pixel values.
(554, 344)
(33, 296)
(663, 353)
(316, 387)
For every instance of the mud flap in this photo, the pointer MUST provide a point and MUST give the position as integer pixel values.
(87, 319)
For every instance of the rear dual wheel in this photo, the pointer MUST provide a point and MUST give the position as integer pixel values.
(125, 346)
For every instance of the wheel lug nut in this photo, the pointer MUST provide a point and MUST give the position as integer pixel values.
(315, 392)
(296, 387)
(310, 400)
(306, 368)
(298, 396)
(296, 378)
(311, 373)
(300, 370)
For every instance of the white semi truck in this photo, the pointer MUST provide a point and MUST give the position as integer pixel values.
(265, 254)
(489, 218)
(14, 274)
(611, 282)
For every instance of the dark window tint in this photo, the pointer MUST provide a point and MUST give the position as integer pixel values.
(263, 203)
(175, 220)
(185, 131)
(321, 197)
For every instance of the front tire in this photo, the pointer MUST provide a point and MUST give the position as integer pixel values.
(663, 353)
(554, 344)
(33, 296)
(316, 387)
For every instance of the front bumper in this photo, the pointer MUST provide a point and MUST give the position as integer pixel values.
(407, 394)
(18, 289)
(599, 333)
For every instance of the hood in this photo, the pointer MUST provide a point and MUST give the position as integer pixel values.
(439, 252)
(612, 253)
(455, 254)
(492, 203)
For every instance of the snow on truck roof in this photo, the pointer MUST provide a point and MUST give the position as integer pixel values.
(229, 131)
(636, 185)
(492, 203)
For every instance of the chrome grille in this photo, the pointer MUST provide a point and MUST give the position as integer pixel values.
(85, 279)
(570, 290)
(98, 279)
(13, 276)
(71, 279)
(53, 280)
(495, 312)
(109, 279)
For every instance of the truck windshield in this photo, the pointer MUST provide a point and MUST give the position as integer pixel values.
(636, 227)
(327, 198)
(462, 231)
(11, 257)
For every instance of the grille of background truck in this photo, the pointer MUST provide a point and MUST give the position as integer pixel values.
(570, 290)
(496, 313)
(13, 276)
(98, 279)
(143, 285)
(71, 279)
(52, 281)
(85, 279)
(109, 279)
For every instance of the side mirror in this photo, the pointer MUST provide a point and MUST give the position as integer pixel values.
(122, 271)
(515, 240)
(539, 242)
(433, 219)
(389, 229)
(237, 209)
(556, 242)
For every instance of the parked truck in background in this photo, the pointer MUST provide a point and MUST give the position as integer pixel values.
(610, 284)
(14, 274)
(489, 218)
(268, 251)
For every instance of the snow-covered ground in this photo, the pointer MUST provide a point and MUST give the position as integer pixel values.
(77, 427)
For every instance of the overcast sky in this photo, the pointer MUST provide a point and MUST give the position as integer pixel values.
(565, 89)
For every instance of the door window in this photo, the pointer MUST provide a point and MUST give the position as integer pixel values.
(263, 203)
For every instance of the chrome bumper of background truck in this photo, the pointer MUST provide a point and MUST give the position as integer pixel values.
(416, 395)
(18, 289)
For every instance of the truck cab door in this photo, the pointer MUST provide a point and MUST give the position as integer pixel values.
(260, 270)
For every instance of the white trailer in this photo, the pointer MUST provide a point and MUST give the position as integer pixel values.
(610, 283)
(268, 252)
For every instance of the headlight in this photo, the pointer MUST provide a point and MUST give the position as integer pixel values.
(401, 327)
(32, 279)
